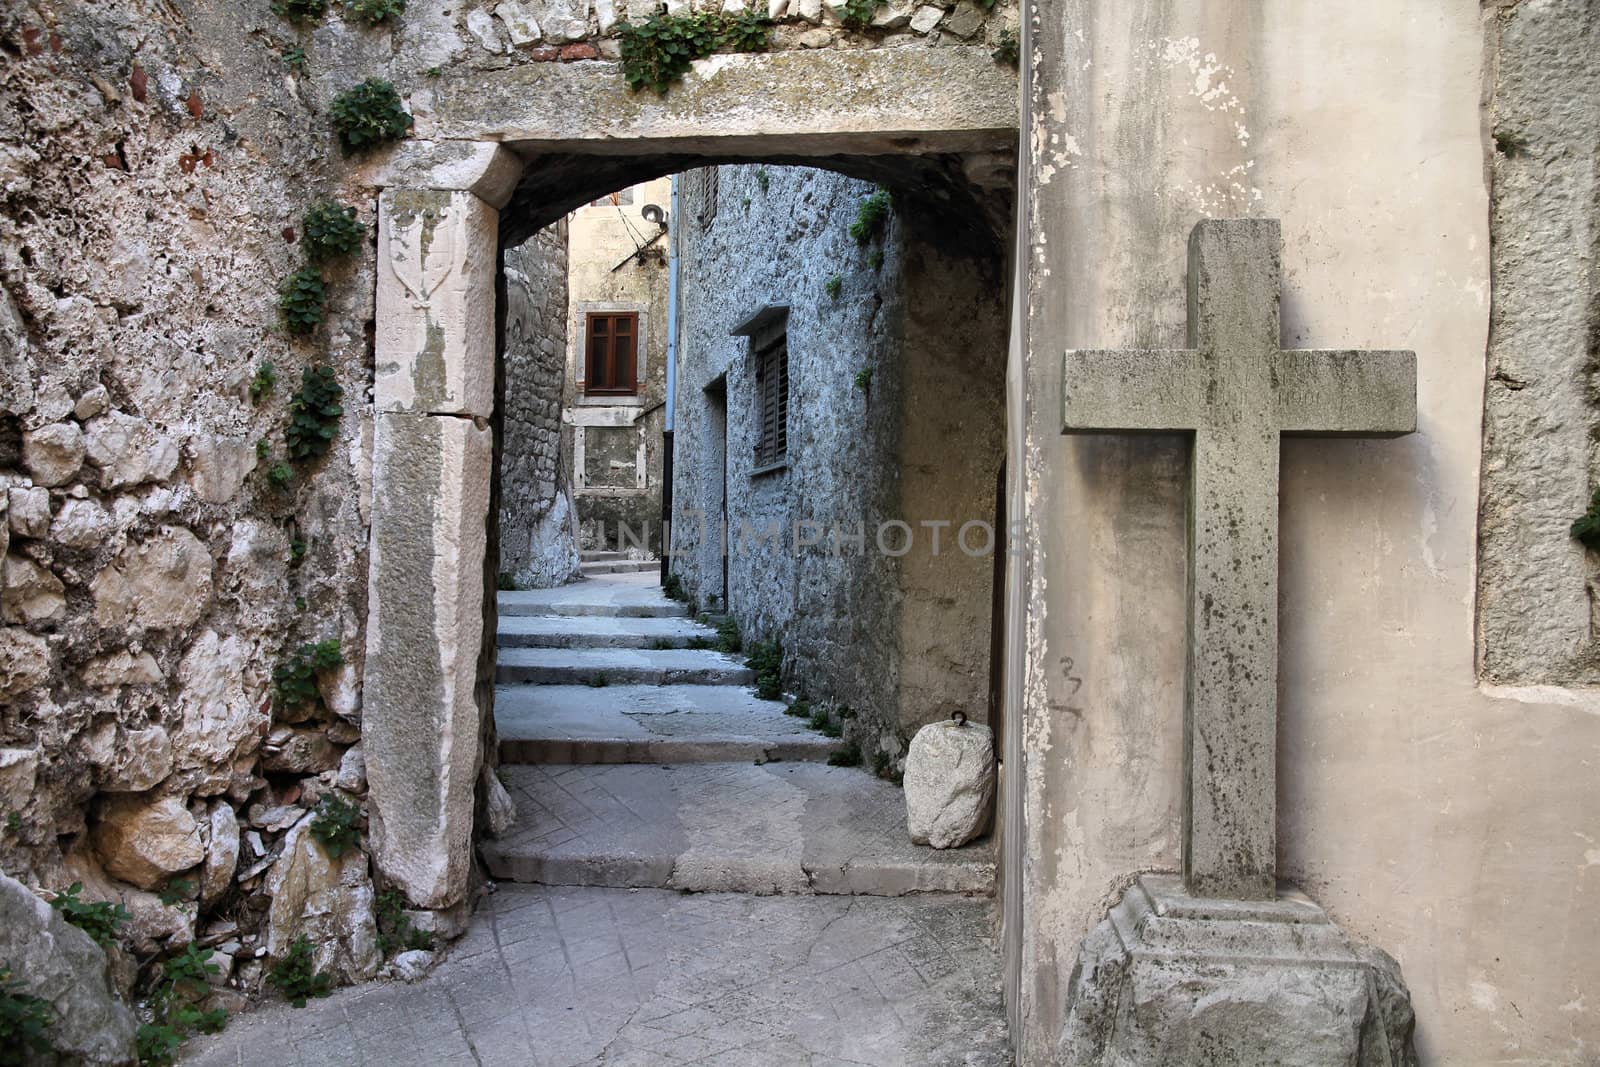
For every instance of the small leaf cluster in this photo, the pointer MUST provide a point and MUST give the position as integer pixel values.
(174, 1007)
(301, 299)
(728, 637)
(100, 920)
(849, 756)
(1587, 527)
(331, 231)
(864, 379)
(766, 659)
(373, 12)
(871, 217)
(857, 14)
(176, 892)
(303, 11)
(262, 384)
(395, 932)
(834, 286)
(294, 681)
(296, 977)
(368, 115)
(673, 589)
(659, 50)
(336, 825)
(1008, 50)
(314, 414)
(24, 1020)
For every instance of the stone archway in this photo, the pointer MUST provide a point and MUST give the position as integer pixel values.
(554, 137)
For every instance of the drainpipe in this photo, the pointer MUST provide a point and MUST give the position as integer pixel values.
(672, 383)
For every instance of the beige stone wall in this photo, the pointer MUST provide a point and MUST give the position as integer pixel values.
(1450, 823)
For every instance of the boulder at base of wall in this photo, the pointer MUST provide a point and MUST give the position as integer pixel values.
(949, 783)
(57, 962)
(327, 900)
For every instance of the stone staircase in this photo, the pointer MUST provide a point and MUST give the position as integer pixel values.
(593, 563)
(638, 761)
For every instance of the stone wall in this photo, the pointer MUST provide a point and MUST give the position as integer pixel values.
(1538, 588)
(538, 544)
(894, 414)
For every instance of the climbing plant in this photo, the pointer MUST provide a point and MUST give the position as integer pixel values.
(301, 299)
(659, 50)
(376, 11)
(173, 1005)
(367, 115)
(314, 414)
(331, 231)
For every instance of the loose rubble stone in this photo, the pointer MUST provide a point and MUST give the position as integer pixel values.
(24, 662)
(29, 511)
(222, 853)
(298, 752)
(53, 454)
(521, 26)
(142, 761)
(30, 593)
(949, 783)
(501, 810)
(129, 451)
(145, 842)
(93, 402)
(81, 524)
(966, 21)
(482, 26)
(19, 769)
(815, 39)
(221, 720)
(163, 582)
(412, 965)
(121, 668)
(926, 18)
(328, 901)
(218, 466)
(352, 776)
(59, 963)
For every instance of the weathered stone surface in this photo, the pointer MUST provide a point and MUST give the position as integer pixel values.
(218, 466)
(352, 777)
(949, 783)
(482, 25)
(19, 769)
(29, 593)
(412, 966)
(142, 760)
(222, 853)
(435, 345)
(53, 454)
(487, 171)
(500, 810)
(24, 661)
(81, 524)
(926, 18)
(425, 601)
(221, 720)
(965, 21)
(29, 511)
(294, 751)
(145, 841)
(1174, 979)
(58, 962)
(1239, 394)
(121, 668)
(94, 401)
(162, 582)
(328, 901)
(562, 20)
(520, 25)
(129, 451)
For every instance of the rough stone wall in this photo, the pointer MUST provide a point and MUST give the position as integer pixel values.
(901, 639)
(538, 547)
(1538, 588)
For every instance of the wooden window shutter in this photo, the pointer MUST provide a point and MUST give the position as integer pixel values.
(612, 346)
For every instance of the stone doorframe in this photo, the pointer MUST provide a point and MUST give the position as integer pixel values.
(439, 234)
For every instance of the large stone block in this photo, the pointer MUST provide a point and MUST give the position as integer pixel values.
(435, 346)
(949, 783)
(420, 721)
(58, 962)
(146, 842)
(1175, 979)
(329, 901)
(162, 582)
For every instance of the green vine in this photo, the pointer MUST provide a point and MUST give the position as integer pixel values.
(766, 659)
(373, 12)
(301, 299)
(294, 681)
(367, 115)
(314, 414)
(659, 50)
(331, 231)
(395, 932)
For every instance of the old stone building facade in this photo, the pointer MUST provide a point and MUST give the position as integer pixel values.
(174, 715)
(889, 350)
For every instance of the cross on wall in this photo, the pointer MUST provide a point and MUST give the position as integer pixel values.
(1236, 392)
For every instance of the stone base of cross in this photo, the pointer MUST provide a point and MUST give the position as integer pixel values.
(1236, 393)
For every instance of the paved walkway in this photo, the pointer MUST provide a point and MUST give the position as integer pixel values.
(558, 977)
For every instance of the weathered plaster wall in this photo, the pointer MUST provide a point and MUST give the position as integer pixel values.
(1448, 823)
(538, 538)
(1537, 585)
(903, 638)
(616, 431)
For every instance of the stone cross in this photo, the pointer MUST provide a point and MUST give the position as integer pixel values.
(1236, 392)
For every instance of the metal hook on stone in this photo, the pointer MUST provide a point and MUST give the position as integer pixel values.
(959, 718)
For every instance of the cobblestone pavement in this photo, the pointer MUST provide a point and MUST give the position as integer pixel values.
(564, 976)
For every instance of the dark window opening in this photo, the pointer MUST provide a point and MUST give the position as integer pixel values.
(772, 400)
(612, 348)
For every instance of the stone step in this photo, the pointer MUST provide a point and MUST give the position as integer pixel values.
(613, 596)
(649, 724)
(601, 667)
(593, 555)
(723, 827)
(579, 631)
(622, 566)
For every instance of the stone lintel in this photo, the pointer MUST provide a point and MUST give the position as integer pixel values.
(437, 255)
(800, 102)
(420, 719)
(482, 168)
